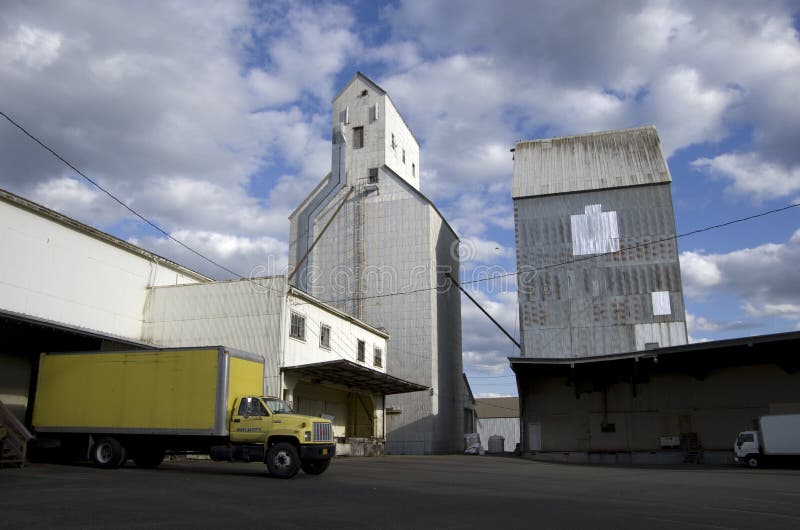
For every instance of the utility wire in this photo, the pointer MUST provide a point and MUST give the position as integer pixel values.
(576, 260)
(101, 188)
(479, 280)
(639, 245)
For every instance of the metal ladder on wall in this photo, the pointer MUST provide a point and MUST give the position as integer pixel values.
(14, 439)
(358, 253)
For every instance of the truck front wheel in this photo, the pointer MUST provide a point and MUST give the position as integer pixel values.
(283, 460)
(752, 461)
(315, 467)
(108, 453)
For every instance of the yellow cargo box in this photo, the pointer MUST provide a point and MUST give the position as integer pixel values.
(164, 391)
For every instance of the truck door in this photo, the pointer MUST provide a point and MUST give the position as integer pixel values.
(250, 421)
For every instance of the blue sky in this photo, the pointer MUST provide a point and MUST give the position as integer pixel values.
(213, 119)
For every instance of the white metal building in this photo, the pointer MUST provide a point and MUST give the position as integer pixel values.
(367, 241)
(68, 287)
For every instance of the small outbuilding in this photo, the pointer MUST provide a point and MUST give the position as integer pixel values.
(498, 417)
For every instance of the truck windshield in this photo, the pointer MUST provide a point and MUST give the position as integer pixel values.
(278, 406)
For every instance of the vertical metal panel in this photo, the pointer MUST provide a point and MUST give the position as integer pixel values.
(573, 304)
(245, 315)
(508, 428)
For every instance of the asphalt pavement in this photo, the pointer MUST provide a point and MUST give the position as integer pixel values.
(400, 492)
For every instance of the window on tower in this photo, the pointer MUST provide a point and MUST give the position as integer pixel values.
(358, 137)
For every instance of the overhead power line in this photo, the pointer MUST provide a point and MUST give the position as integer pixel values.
(101, 188)
(640, 245)
(576, 260)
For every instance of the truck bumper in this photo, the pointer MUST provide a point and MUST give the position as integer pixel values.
(317, 452)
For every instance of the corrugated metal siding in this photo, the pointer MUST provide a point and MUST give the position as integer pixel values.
(245, 315)
(627, 157)
(571, 306)
(508, 428)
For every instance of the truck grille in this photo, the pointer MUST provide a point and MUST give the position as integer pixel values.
(322, 432)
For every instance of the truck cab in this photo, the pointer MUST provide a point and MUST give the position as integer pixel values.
(266, 428)
(748, 448)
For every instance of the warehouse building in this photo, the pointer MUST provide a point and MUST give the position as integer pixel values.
(69, 287)
(605, 374)
(367, 241)
(676, 404)
(596, 249)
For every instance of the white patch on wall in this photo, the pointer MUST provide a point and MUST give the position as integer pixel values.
(663, 334)
(661, 305)
(594, 232)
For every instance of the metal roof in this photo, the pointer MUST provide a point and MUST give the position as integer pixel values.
(610, 159)
(355, 376)
(777, 342)
(500, 407)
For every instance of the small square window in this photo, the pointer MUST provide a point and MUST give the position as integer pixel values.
(378, 359)
(361, 351)
(298, 327)
(325, 336)
(358, 137)
(608, 427)
(373, 175)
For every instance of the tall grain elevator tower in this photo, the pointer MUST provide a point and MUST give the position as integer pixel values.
(367, 241)
(596, 249)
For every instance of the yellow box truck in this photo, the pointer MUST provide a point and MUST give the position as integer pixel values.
(111, 406)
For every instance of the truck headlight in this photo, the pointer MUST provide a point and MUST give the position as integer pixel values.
(307, 436)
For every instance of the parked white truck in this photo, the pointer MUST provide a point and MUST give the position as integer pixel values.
(778, 437)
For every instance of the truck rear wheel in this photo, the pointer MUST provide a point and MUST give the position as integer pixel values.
(752, 461)
(108, 453)
(148, 457)
(283, 460)
(315, 467)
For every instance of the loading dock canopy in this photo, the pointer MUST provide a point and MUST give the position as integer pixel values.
(355, 376)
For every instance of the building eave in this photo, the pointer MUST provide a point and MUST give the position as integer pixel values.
(355, 376)
(697, 347)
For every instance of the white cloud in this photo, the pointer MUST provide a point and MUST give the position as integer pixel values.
(693, 69)
(79, 200)
(29, 47)
(696, 323)
(765, 277)
(485, 348)
(483, 362)
(751, 176)
(686, 108)
(169, 122)
(699, 272)
(787, 311)
(306, 49)
(492, 395)
(244, 256)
